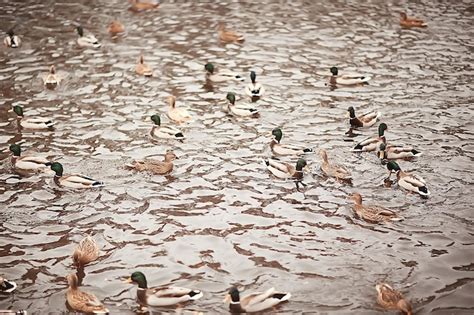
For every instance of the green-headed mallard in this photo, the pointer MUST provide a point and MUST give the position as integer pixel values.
(73, 180)
(7, 286)
(333, 170)
(51, 80)
(406, 21)
(285, 149)
(28, 163)
(155, 166)
(391, 299)
(88, 40)
(366, 120)
(12, 40)
(285, 170)
(374, 214)
(396, 152)
(115, 27)
(178, 115)
(371, 143)
(85, 252)
(82, 301)
(409, 181)
(221, 75)
(347, 79)
(228, 36)
(32, 123)
(161, 296)
(164, 132)
(239, 111)
(142, 68)
(254, 89)
(255, 302)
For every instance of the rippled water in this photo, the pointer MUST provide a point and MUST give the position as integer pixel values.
(220, 219)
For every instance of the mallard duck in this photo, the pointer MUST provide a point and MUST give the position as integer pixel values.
(406, 21)
(51, 80)
(13, 312)
(73, 180)
(178, 115)
(333, 170)
(366, 120)
(12, 40)
(115, 27)
(372, 143)
(154, 166)
(32, 123)
(284, 170)
(255, 302)
(161, 296)
(229, 36)
(409, 181)
(392, 299)
(239, 110)
(396, 152)
(373, 214)
(7, 286)
(221, 75)
(83, 301)
(140, 5)
(164, 132)
(285, 149)
(143, 69)
(353, 79)
(27, 163)
(85, 252)
(86, 40)
(254, 89)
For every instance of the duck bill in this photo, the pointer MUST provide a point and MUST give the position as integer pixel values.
(227, 298)
(381, 155)
(128, 280)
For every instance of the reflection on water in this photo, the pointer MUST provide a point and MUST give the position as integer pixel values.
(220, 219)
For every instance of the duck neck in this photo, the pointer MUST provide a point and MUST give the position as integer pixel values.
(332, 80)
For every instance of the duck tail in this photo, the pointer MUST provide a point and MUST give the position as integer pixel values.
(50, 123)
(424, 191)
(179, 135)
(282, 296)
(98, 184)
(308, 150)
(195, 294)
(416, 153)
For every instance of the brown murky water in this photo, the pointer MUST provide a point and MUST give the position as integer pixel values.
(220, 219)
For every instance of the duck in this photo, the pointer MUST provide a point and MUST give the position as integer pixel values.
(86, 40)
(51, 80)
(12, 40)
(28, 163)
(285, 170)
(115, 27)
(285, 149)
(392, 299)
(141, 5)
(372, 143)
(73, 180)
(178, 115)
(396, 152)
(254, 89)
(406, 21)
(7, 286)
(353, 79)
(228, 36)
(164, 132)
(363, 121)
(373, 214)
(142, 68)
(32, 123)
(409, 181)
(83, 301)
(215, 75)
(156, 167)
(161, 296)
(333, 170)
(239, 111)
(85, 252)
(255, 302)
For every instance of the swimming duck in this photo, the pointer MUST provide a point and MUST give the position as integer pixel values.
(86, 40)
(373, 214)
(7, 286)
(215, 75)
(284, 170)
(73, 180)
(366, 120)
(161, 296)
(27, 163)
(406, 21)
(12, 40)
(51, 80)
(409, 181)
(255, 302)
(354, 79)
(32, 123)
(178, 115)
(239, 110)
(396, 152)
(82, 301)
(254, 89)
(285, 149)
(86, 252)
(115, 27)
(140, 5)
(164, 132)
(392, 299)
(372, 144)
(229, 36)
(143, 69)
(333, 170)
(154, 166)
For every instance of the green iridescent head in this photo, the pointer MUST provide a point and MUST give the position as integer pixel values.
(278, 134)
(209, 67)
(58, 168)
(15, 149)
(156, 119)
(231, 97)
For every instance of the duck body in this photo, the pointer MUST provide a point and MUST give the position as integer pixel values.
(51, 80)
(178, 115)
(391, 299)
(373, 214)
(363, 121)
(12, 40)
(164, 132)
(372, 143)
(73, 180)
(228, 36)
(32, 123)
(87, 40)
(406, 21)
(142, 68)
(221, 75)
(396, 152)
(254, 89)
(115, 27)
(409, 181)
(286, 149)
(7, 286)
(239, 111)
(348, 79)
(153, 166)
(28, 163)
(141, 5)
(334, 170)
(86, 252)
(83, 301)
(285, 170)
(256, 302)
